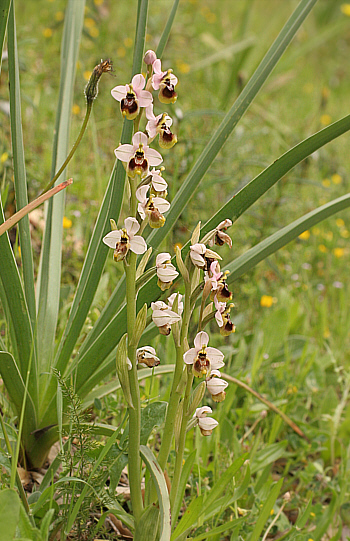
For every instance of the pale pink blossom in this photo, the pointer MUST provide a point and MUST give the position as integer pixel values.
(155, 122)
(163, 317)
(144, 206)
(197, 252)
(150, 57)
(159, 75)
(166, 271)
(158, 183)
(138, 156)
(218, 236)
(136, 87)
(214, 275)
(203, 358)
(216, 386)
(121, 240)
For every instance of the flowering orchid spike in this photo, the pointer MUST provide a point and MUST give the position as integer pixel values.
(216, 386)
(147, 355)
(138, 156)
(123, 240)
(206, 424)
(203, 358)
(163, 317)
(153, 207)
(132, 96)
(165, 82)
(166, 272)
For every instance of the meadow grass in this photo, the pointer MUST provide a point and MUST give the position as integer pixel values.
(292, 313)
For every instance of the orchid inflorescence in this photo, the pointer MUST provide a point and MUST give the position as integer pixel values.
(200, 271)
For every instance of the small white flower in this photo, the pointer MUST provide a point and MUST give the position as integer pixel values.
(163, 317)
(203, 358)
(138, 156)
(166, 271)
(124, 239)
(206, 424)
(197, 254)
(216, 386)
(153, 207)
(158, 183)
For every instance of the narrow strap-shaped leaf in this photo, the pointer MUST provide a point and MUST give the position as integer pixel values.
(110, 208)
(250, 193)
(17, 310)
(252, 257)
(19, 167)
(162, 491)
(4, 13)
(266, 511)
(15, 387)
(185, 474)
(236, 112)
(166, 32)
(50, 261)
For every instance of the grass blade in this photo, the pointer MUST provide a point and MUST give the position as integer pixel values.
(20, 180)
(162, 491)
(266, 511)
(50, 261)
(236, 112)
(4, 13)
(165, 36)
(252, 257)
(250, 193)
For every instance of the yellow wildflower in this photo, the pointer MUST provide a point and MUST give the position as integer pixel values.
(67, 223)
(336, 178)
(322, 248)
(47, 32)
(325, 119)
(75, 109)
(89, 22)
(326, 333)
(345, 9)
(305, 235)
(267, 301)
(326, 182)
(339, 222)
(87, 75)
(94, 32)
(338, 252)
(59, 16)
(98, 2)
(344, 233)
(4, 157)
(183, 67)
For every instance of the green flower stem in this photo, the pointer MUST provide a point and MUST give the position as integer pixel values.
(174, 399)
(182, 438)
(75, 146)
(135, 411)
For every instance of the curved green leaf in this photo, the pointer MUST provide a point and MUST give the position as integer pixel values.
(273, 243)
(162, 491)
(9, 513)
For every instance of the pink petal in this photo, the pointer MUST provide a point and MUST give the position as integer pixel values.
(219, 319)
(168, 121)
(207, 423)
(201, 340)
(145, 98)
(149, 113)
(151, 129)
(190, 356)
(132, 226)
(173, 79)
(214, 355)
(138, 245)
(139, 139)
(153, 157)
(120, 92)
(141, 194)
(138, 83)
(124, 152)
(112, 238)
(158, 182)
(161, 204)
(157, 67)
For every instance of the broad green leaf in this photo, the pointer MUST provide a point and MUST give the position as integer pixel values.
(162, 491)
(236, 112)
(185, 473)
(20, 180)
(151, 416)
(48, 285)
(265, 512)
(4, 13)
(9, 513)
(252, 257)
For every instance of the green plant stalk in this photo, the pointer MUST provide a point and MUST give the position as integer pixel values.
(74, 148)
(135, 411)
(174, 399)
(182, 439)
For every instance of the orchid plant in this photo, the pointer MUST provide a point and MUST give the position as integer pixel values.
(147, 298)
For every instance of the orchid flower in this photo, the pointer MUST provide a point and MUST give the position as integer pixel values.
(166, 271)
(138, 156)
(123, 240)
(132, 96)
(221, 291)
(201, 256)
(180, 304)
(214, 275)
(165, 82)
(163, 317)
(216, 386)
(147, 355)
(203, 358)
(151, 206)
(219, 237)
(160, 124)
(206, 424)
(223, 319)
(158, 183)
